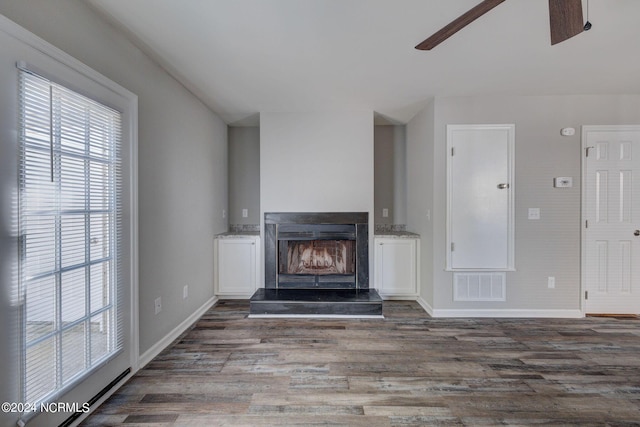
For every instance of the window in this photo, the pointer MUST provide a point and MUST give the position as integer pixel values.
(70, 220)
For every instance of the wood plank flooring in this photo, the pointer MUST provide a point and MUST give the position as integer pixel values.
(405, 370)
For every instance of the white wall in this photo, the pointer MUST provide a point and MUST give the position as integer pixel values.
(546, 247)
(317, 162)
(182, 170)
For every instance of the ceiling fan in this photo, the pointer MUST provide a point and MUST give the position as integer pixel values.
(565, 18)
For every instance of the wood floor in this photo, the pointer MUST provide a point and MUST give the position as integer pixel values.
(405, 370)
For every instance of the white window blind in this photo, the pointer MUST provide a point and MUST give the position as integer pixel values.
(70, 220)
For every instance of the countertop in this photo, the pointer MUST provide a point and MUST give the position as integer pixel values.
(236, 234)
(384, 234)
(397, 235)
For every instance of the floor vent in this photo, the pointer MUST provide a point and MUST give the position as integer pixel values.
(479, 286)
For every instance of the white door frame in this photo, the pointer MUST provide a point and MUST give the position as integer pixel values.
(583, 207)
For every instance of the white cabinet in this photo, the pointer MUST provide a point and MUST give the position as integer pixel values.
(236, 266)
(396, 268)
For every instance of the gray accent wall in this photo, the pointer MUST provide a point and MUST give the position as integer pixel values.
(390, 180)
(546, 247)
(244, 174)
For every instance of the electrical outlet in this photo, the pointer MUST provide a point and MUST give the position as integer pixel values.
(158, 305)
(224, 213)
(551, 282)
(245, 213)
(185, 292)
(534, 213)
(385, 212)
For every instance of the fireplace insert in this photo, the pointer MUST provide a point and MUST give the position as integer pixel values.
(316, 251)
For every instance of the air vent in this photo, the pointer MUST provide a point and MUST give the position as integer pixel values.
(479, 286)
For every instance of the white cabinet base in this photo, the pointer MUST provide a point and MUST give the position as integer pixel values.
(396, 268)
(236, 266)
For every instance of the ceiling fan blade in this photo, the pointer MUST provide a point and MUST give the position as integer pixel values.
(565, 17)
(458, 24)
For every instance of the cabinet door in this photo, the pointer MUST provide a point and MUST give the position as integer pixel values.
(236, 266)
(396, 267)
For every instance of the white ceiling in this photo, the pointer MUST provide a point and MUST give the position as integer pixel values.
(242, 57)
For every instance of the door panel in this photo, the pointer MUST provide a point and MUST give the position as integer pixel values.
(612, 214)
(480, 186)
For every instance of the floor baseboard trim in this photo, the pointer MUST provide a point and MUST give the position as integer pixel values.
(425, 305)
(506, 313)
(148, 355)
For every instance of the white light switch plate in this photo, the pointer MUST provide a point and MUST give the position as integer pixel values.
(563, 182)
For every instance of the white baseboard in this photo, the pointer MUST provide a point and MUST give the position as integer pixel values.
(506, 313)
(501, 313)
(148, 355)
(425, 305)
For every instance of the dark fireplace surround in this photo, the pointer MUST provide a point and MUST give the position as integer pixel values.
(316, 250)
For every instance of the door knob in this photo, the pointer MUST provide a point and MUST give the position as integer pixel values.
(636, 233)
(503, 186)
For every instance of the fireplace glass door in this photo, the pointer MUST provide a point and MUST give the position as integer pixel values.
(320, 256)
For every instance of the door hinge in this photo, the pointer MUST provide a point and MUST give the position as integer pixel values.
(453, 246)
(586, 294)
(586, 223)
(453, 151)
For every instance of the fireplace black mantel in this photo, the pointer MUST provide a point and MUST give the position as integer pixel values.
(326, 239)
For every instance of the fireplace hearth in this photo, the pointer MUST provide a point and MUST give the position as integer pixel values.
(316, 263)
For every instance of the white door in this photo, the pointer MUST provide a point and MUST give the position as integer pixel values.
(611, 219)
(480, 197)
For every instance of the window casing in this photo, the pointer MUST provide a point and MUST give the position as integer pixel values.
(70, 222)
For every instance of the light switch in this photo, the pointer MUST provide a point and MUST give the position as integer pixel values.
(534, 213)
(563, 182)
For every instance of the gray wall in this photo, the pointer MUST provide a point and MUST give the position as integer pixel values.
(182, 165)
(390, 173)
(420, 188)
(244, 174)
(549, 246)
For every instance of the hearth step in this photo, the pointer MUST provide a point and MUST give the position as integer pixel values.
(315, 302)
